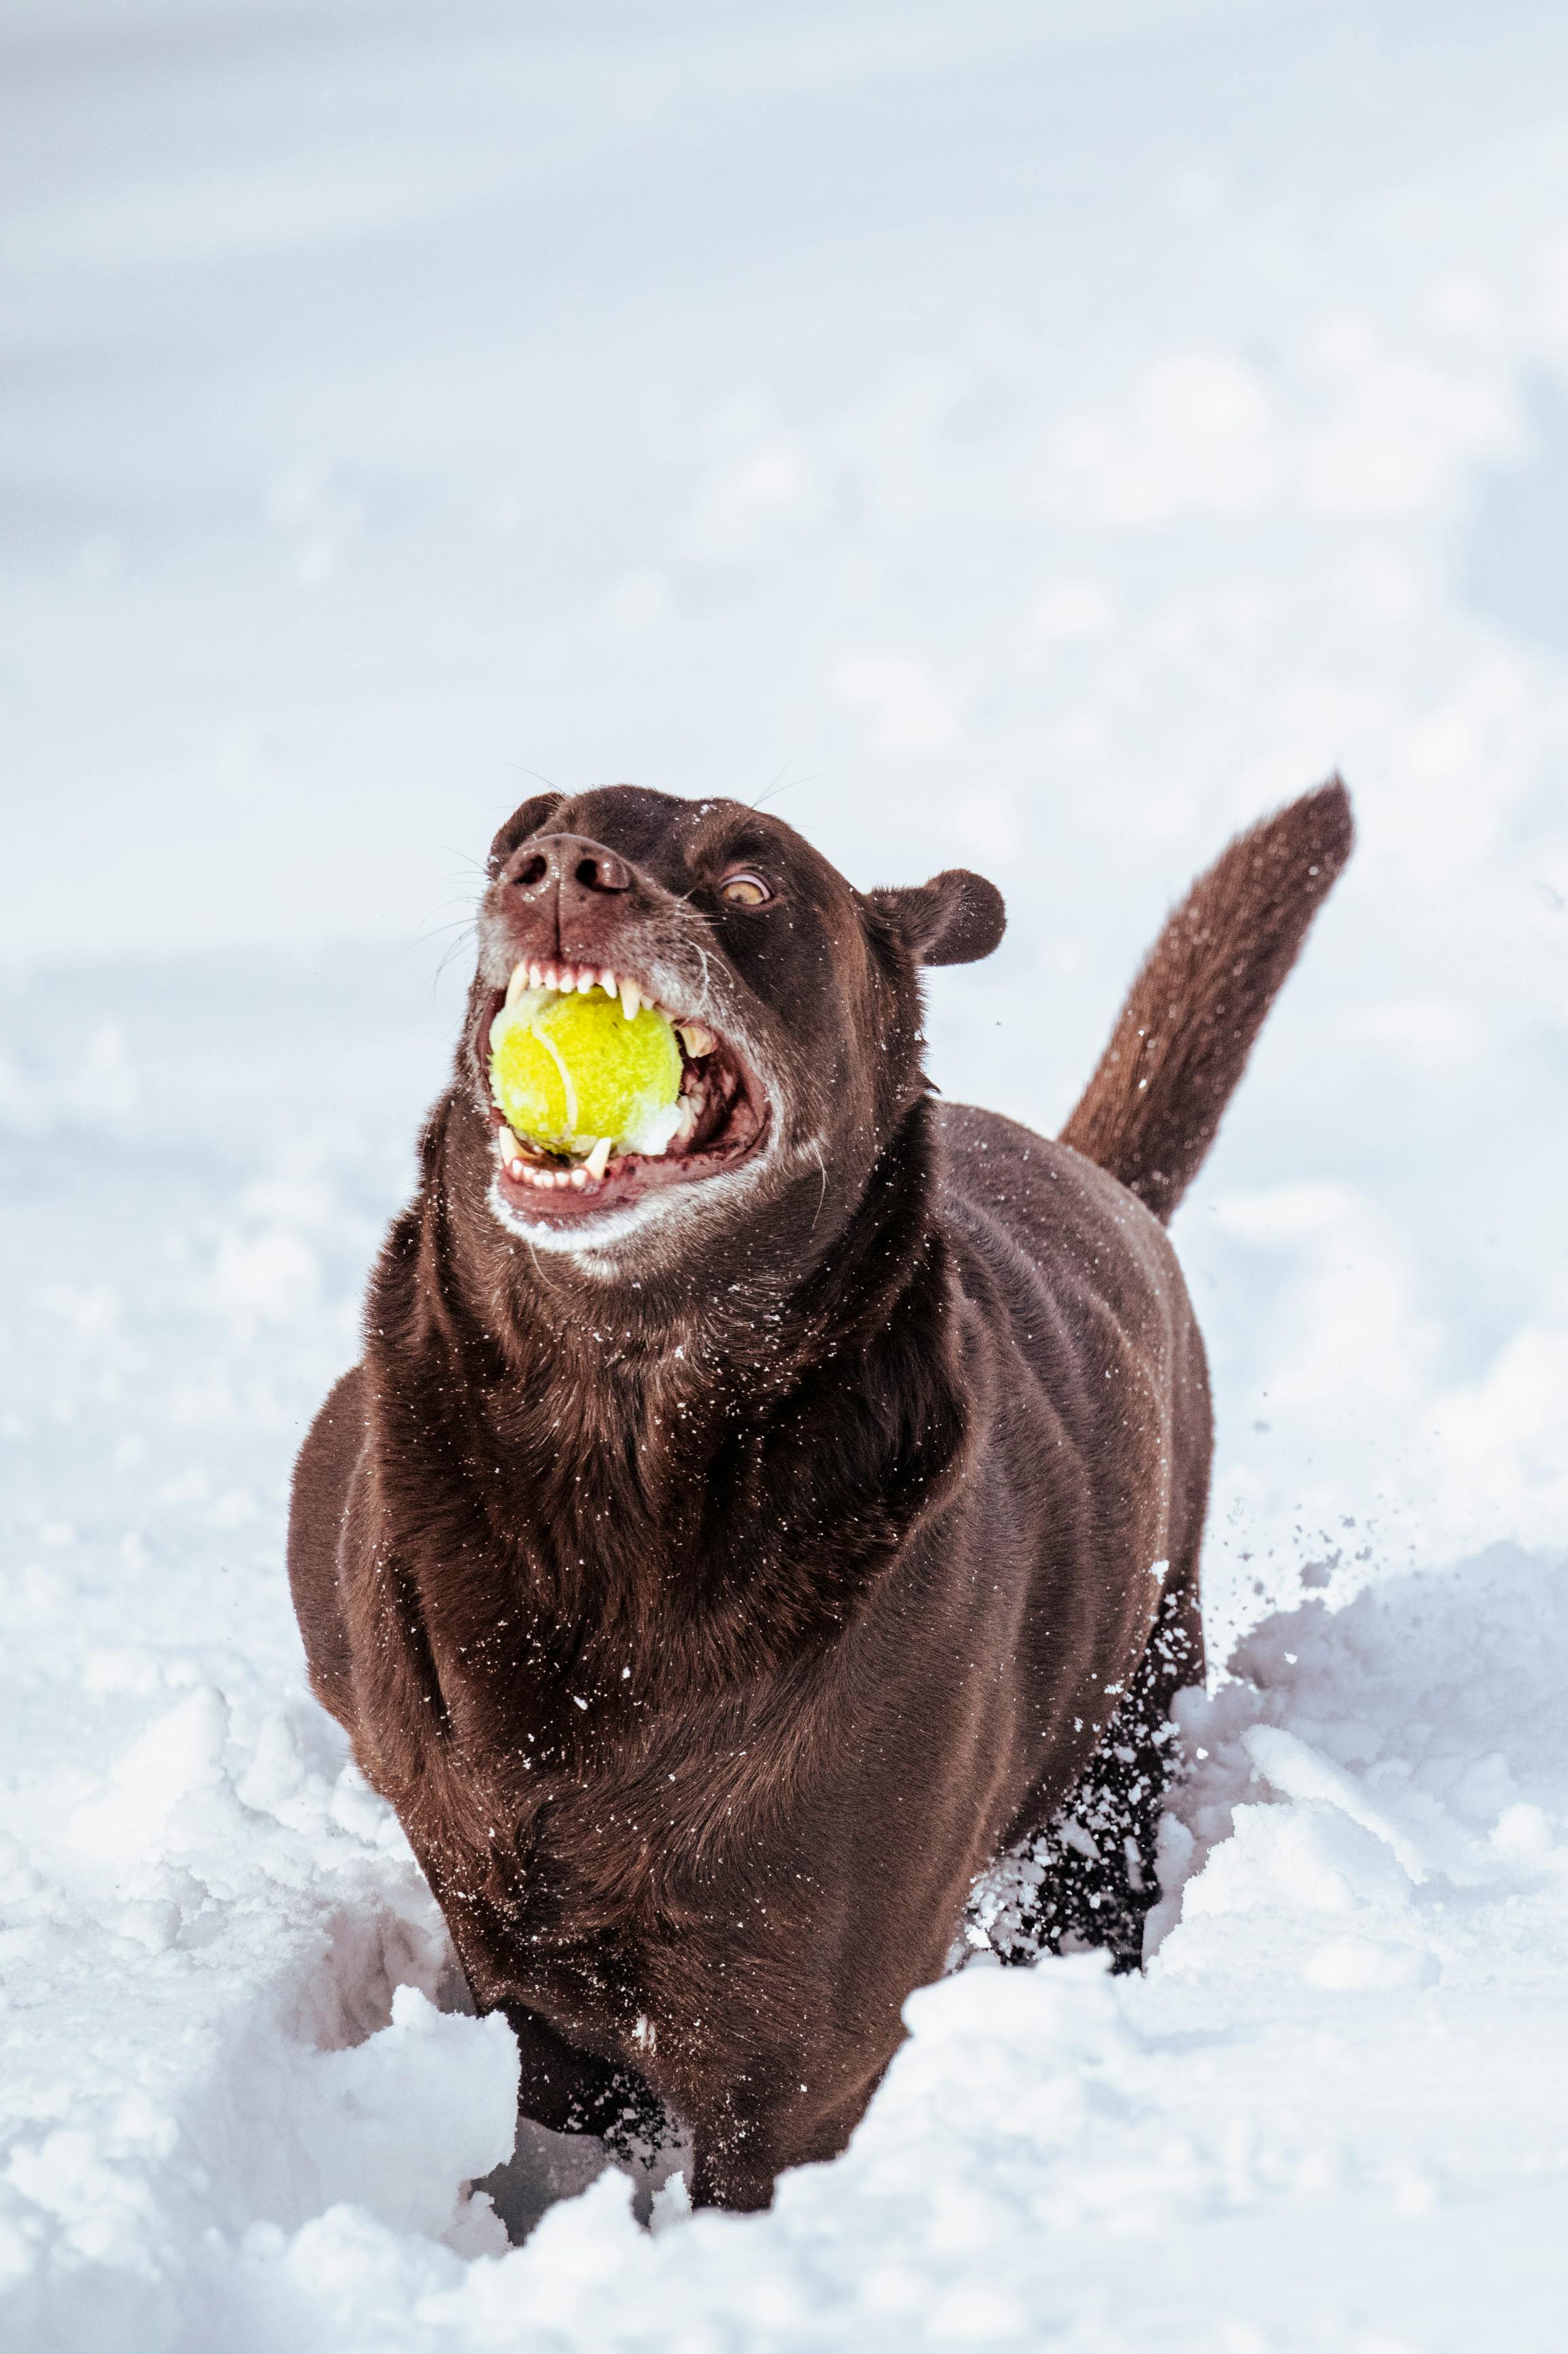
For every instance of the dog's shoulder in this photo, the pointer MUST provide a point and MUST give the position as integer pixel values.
(1047, 1225)
(1048, 1195)
(324, 1477)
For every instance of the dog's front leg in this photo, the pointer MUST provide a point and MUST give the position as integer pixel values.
(769, 2119)
(571, 2091)
(732, 2168)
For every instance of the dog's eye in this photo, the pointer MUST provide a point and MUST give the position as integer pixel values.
(744, 890)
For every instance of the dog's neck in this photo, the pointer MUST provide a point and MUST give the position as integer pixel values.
(662, 1499)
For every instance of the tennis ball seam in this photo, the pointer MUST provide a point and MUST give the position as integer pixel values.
(568, 1088)
(629, 1072)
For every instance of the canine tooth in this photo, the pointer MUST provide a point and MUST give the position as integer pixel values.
(631, 1000)
(597, 1160)
(517, 984)
(697, 1038)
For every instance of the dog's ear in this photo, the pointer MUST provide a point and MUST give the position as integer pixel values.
(520, 826)
(953, 919)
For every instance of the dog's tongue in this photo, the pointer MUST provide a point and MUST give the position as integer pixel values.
(570, 1070)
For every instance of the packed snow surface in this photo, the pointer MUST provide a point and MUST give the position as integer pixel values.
(1033, 437)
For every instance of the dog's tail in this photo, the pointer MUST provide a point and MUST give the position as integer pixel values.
(1180, 1043)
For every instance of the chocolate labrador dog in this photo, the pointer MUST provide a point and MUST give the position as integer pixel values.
(720, 1556)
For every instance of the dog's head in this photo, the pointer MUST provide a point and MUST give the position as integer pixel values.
(795, 998)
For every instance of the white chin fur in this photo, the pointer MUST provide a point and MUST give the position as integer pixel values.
(584, 1235)
(670, 1207)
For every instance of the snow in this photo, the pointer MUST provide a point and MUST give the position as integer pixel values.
(1034, 437)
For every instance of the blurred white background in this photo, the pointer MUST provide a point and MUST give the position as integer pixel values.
(1040, 436)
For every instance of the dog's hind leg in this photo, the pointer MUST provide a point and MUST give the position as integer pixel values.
(1087, 1880)
(1099, 1879)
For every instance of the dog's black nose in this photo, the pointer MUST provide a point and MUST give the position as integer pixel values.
(570, 863)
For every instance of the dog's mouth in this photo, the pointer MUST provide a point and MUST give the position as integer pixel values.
(718, 1119)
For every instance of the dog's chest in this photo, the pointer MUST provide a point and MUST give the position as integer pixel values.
(564, 1846)
(576, 1894)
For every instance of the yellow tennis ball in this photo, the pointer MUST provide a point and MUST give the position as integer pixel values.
(567, 1070)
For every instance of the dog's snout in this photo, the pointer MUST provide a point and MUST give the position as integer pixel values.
(570, 863)
(600, 870)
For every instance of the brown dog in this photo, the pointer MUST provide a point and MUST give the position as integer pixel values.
(718, 1561)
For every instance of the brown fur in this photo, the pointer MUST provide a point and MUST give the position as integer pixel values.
(1182, 1040)
(714, 1609)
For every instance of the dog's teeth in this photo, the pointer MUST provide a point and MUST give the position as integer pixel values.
(584, 981)
(536, 974)
(688, 1107)
(609, 983)
(517, 984)
(697, 1039)
(597, 1160)
(578, 1178)
(631, 1000)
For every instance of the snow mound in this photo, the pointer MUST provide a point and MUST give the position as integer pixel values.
(233, 1968)
(1327, 2117)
